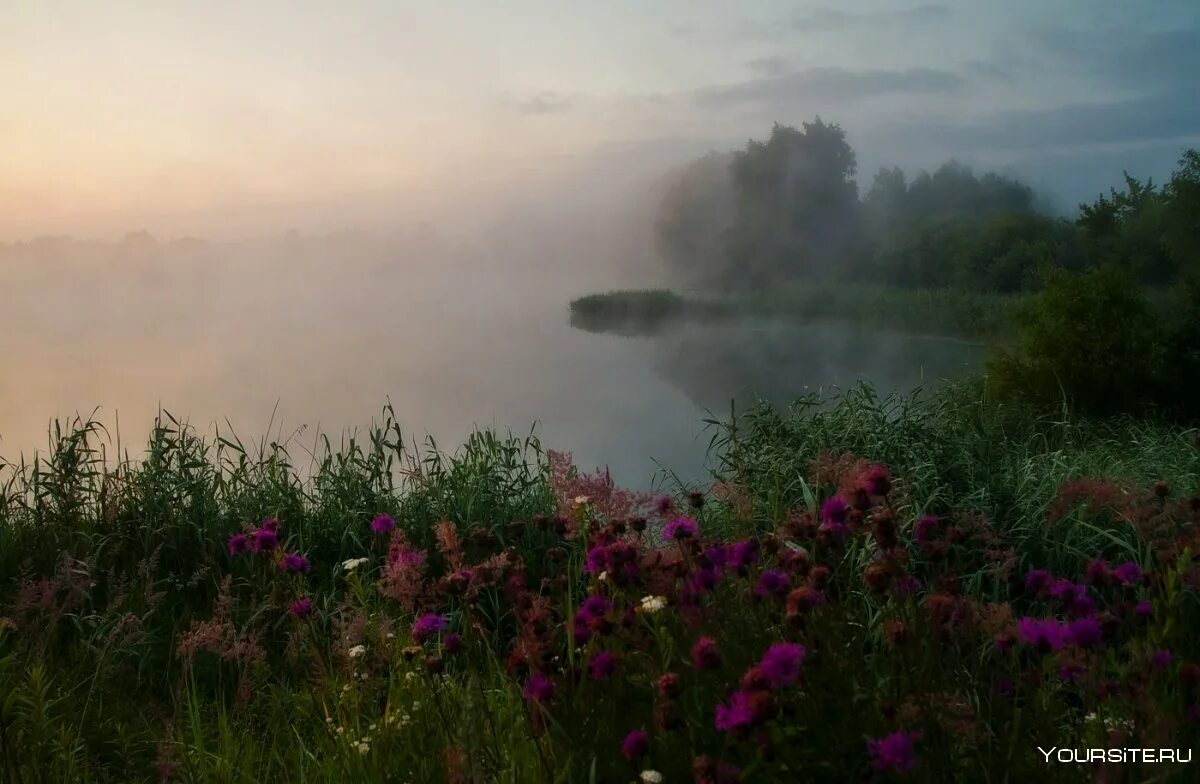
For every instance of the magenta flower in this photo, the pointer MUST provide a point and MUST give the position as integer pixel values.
(1046, 634)
(893, 752)
(1085, 632)
(382, 524)
(1161, 658)
(664, 505)
(781, 663)
(925, 528)
(680, 528)
(1143, 609)
(635, 745)
(538, 688)
(602, 666)
(239, 544)
(452, 643)
(743, 555)
(834, 511)
(301, 608)
(705, 655)
(429, 625)
(270, 524)
(773, 583)
(877, 480)
(1128, 573)
(264, 540)
(738, 713)
(294, 562)
(1037, 580)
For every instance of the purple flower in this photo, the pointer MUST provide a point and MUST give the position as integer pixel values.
(773, 583)
(925, 528)
(876, 480)
(238, 544)
(906, 585)
(717, 556)
(294, 562)
(742, 555)
(664, 505)
(1085, 632)
(781, 663)
(1074, 597)
(301, 607)
(270, 524)
(597, 559)
(264, 540)
(1037, 580)
(538, 688)
(635, 745)
(1143, 609)
(1128, 573)
(893, 752)
(1046, 634)
(705, 655)
(382, 525)
(834, 511)
(738, 714)
(452, 643)
(429, 625)
(602, 666)
(1161, 658)
(705, 579)
(680, 528)
(595, 606)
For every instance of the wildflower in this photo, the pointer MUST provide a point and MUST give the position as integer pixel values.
(635, 745)
(744, 709)
(1128, 573)
(352, 564)
(239, 544)
(696, 499)
(270, 524)
(742, 555)
(1161, 658)
(705, 655)
(1143, 609)
(924, 528)
(452, 643)
(1045, 634)
(669, 685)
(429, 625)
(602, 666)
(294, 562)
(906, 585)
(680, 528)
(1037, 580)
(705, 771)
(356, 651)
(664, 505)
(772, 583)
(651, 777)
(581, 500)
(264, 540)
(803, 599)
(363, 746)
(653, 604)
(1085, 632)
(893, 752)
(781, 663)
(876, 480)
(834, 511)
(1097, 572)
(382, 524)
(301, 607)
(538, 689)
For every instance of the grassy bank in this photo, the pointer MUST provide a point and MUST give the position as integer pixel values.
(855, 596)
(946, 312)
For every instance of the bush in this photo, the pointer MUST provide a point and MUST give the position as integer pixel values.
(1089, 339)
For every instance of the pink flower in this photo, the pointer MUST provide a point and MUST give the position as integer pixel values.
(382, 524)
(680, 528)
(602, 666)
(635, 745)
(1085, 632)
(294, 562)
(1128, 573)
(270, 524)
(834, 511)
(925, 528)
(742, 710)
(1046, 634)
(264, 540)
(429, 625)
(772, 583)
(538, 688)
(239, 544)
(893, 752)
(781, 663)
(301, 607)
(705, 655)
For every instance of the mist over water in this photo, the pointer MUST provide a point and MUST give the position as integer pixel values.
(320, 332)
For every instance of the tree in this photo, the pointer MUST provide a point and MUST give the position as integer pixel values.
(693, 219)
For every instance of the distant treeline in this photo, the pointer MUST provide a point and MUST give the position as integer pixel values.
(789, 209)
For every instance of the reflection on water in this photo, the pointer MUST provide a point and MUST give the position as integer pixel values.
(324, 335)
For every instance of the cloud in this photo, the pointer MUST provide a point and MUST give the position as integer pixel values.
(773, 65)
(828, 18)
(830, 86)
(544, 102)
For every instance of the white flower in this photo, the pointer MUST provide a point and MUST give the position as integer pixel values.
(653, 604)
(356, 651)
(352, 564)
(363, 747)
(371, 728)
(580, 500)
(603, 576)
(410, 676)
(651, 777)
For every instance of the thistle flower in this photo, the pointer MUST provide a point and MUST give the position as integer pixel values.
(301, 608)
(1046, 634)
(382, 524)
(635, 745)
(772, 583)
(239, 544)
(452, 643)
(1085, 632)
(538, 689)
(742, 555)
(705, 654)
(1037, 580)
(893, 752)
(781, 663)
(1143, 609)
(924, 528)
(1128, 573)
(876, 480)
(664, 505)
(744, 709)
(602, 666)
(294, 562)
(429, 625)
(270, 524)
(264, 540)
(680, 528)
(834, 511)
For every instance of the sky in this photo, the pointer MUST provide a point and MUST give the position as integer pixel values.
(222, 118)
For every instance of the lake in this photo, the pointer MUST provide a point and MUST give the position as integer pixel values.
(318, 334)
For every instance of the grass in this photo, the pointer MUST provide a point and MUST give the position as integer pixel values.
(945, 312)
(135, 647)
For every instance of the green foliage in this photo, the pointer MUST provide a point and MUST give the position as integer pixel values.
(693, 219)
(1090, 338)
